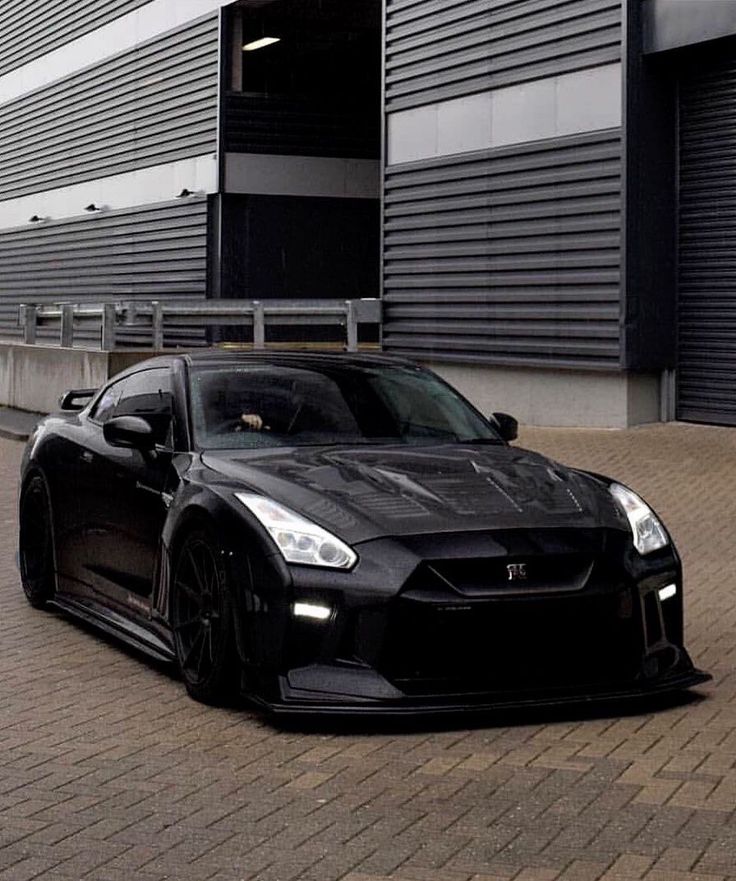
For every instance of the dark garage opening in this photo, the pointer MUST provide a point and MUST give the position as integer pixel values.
(315, 90)
(303, 79)
(280, 247)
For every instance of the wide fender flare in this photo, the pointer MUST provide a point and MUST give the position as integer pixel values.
(243, 539)
(608, 482)
(218, 506)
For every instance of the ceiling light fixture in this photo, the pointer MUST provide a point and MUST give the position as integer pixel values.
(261, 44)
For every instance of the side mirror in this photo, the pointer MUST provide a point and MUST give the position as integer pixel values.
(129, 431)
(508, 427)
(76, 398)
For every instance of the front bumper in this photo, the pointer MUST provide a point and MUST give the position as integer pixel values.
(411, 633)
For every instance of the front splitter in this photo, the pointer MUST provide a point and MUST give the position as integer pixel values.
(481, 703)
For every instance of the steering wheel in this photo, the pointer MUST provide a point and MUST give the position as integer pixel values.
(232, 425)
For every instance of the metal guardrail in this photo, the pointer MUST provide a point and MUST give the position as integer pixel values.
(157, 315)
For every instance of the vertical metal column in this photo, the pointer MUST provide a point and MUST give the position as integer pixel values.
(29, 325)
(107, 334)
(259, 326)
(67, 325)
(351, 320)
(157, 324)
(668, 395)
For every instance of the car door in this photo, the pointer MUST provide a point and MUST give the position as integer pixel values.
(124, 494)
(80, 511)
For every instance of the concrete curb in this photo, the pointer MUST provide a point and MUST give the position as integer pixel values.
(17, 425)
(9, 434)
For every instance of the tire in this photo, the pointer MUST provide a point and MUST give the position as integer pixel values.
(202, 619)
(36, 544)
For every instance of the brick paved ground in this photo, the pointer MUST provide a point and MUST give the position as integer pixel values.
(108, 771)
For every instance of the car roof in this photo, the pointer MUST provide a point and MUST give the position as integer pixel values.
(231, 358)
(225, 358)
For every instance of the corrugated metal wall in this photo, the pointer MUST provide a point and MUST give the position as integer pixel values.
(510, 256)
(706, 379)
(144, 253)
(145, 107)
(31, 28)
(300, 127)
(438, 49)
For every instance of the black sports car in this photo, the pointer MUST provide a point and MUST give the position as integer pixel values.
(345, 534)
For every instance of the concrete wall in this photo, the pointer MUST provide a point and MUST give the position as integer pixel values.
(558, 398)
(670, 24)
(33, 377)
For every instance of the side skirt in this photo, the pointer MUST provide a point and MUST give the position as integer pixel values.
(115, 625)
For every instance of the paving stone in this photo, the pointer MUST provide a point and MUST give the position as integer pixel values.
(109, 772)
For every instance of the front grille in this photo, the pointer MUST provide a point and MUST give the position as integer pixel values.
(532, 643)
(494, 575)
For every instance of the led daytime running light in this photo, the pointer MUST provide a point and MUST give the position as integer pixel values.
(312, 610)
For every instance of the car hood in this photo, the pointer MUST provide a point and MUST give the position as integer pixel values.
(362, 493)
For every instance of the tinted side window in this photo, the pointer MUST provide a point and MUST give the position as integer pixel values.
(148, 394)
(105, 406)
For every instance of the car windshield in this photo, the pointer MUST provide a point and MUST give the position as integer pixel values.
(253, 406)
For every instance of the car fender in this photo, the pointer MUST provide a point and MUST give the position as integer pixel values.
(259, 577)
(609, 481)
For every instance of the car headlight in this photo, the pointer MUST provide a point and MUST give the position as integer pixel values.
(298, 539)
(649, 534)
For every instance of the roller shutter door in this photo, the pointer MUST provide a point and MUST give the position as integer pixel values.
(707, 261)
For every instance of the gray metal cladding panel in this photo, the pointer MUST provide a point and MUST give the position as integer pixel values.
(31, 28)
(508, 256)
(154, 104)
(707, 262)
(441, 49)
(154, 252)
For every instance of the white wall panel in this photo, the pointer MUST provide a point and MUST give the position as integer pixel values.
(156, 18)
(147, 186)
(569, 104)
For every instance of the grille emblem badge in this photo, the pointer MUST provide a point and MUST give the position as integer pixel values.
(517, 572)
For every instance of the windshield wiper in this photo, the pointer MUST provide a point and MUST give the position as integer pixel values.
(344, 442)
(483, 440)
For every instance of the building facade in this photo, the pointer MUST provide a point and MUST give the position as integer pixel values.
(542, 191)
(141, 157)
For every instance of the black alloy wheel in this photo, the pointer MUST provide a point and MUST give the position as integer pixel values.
(36, 543)
(202, 619)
